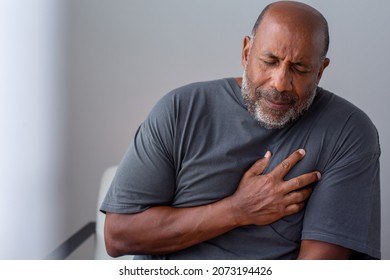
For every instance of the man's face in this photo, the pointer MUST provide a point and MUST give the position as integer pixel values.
(282, 67)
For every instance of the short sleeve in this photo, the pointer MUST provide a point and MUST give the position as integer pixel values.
(145, 176)
(344, 208)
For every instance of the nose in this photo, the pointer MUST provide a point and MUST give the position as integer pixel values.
(282, 78)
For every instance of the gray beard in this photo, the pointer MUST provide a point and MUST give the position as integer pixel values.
(266, 117)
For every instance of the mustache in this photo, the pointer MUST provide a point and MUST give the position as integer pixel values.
(274, 95)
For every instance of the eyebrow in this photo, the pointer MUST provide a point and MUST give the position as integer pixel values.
(271, 55)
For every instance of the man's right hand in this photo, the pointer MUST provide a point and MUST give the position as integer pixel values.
(265, 198)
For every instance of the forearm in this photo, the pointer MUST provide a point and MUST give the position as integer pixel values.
(163, 229)
(318, 250)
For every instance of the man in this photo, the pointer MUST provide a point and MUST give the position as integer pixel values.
(192, 186)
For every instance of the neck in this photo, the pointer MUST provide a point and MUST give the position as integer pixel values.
(239, 81)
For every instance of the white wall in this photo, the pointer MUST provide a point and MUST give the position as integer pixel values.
(32, 157)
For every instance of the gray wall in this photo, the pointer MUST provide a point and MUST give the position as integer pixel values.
(124, 55)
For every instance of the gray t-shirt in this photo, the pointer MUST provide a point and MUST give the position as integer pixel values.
(199, 140)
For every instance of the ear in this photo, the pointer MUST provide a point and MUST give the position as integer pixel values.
(325, 64)
(245, 50)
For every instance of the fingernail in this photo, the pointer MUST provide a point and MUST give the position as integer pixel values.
(319, 175)
(302, 151)
(267, 154)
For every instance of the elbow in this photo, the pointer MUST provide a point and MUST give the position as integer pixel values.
(112, 252)
(117, 237)
(113, 247)
(113, 240)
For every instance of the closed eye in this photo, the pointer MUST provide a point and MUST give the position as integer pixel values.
(269, 62)
(300, 69)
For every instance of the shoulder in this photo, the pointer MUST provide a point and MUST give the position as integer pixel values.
(338, 107)
(199, 89)
(194, 96)
(189, 99)
(351, 125)
(203, 85)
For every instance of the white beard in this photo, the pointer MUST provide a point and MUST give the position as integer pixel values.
(266, 117)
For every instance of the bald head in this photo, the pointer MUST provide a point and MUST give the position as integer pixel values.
(299, 15)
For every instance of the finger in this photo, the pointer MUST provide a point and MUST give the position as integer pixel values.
(301, 181)
(298, 196)
(260, 165)
(294, 208)
(286, 165)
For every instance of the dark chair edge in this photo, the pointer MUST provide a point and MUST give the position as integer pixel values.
(73, 242)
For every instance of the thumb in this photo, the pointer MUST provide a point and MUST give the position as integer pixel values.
(259, 166)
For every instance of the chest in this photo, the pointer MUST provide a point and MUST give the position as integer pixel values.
(212, 158)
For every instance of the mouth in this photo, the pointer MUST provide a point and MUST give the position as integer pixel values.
(277, 105)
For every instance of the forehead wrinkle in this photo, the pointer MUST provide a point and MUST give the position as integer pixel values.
(291, 58)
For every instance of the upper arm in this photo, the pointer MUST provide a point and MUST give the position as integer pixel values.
(344, 207)
(318, 250)
(146, 175)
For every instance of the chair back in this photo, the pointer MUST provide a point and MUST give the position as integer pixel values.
(100, 248)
